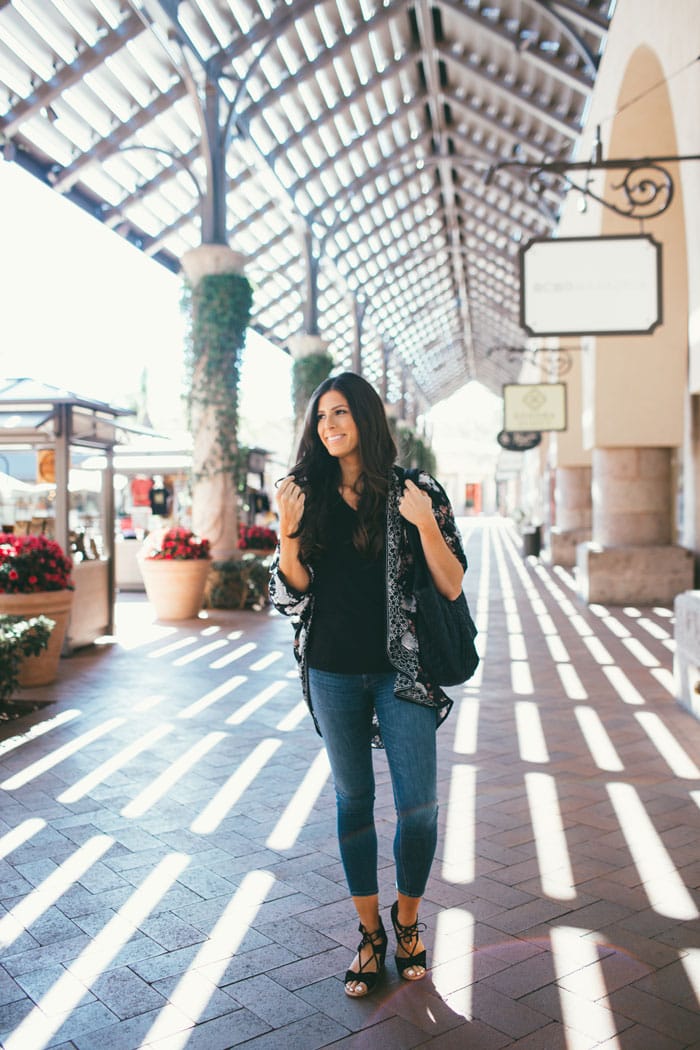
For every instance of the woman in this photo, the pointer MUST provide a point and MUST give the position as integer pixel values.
(343, 570)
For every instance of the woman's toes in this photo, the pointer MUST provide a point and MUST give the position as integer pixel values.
(356, 988)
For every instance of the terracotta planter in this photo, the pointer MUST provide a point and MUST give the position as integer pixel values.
(174, 588)
(41, 669)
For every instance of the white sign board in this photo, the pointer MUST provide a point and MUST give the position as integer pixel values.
(534, 406)
(590, 285)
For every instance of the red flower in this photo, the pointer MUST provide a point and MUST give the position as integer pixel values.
(256, 537)
(33, 563)
(176, 544)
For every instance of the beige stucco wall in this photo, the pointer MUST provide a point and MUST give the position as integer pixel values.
(646, 104)
(567, 448)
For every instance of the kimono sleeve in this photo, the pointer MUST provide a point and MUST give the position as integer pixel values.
(444, 515)
(285, 598)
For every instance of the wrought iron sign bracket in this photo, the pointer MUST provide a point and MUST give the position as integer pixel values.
(644, 192)
(558, 362)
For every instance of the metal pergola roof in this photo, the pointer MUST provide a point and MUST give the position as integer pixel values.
(360, 136)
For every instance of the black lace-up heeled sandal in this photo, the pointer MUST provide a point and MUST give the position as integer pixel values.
(377, 941)
(412, 967)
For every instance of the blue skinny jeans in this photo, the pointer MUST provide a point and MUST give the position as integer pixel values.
(343, 705)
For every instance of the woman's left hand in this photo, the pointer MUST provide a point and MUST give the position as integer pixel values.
(416, 506)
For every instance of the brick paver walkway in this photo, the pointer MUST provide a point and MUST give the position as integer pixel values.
(169, 872)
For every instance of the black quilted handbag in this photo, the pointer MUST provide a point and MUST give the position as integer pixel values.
(445, 629)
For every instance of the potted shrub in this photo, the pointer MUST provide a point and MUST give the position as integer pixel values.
(35, 580)
(239, 583)
(19, 639)
(175, 563)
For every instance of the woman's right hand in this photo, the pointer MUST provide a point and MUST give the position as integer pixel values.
(290, 506)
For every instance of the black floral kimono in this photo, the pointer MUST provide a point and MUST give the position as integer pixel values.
(402, 645)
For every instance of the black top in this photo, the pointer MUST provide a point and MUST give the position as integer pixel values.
(349, 627)
(159, 498)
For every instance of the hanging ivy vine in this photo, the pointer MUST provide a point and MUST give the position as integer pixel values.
(413, 451)
(307, 373)
(218, 309)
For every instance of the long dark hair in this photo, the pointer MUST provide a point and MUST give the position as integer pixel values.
(318, 473)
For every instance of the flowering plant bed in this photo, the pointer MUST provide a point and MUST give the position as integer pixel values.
(176, 544)
(256, 538)
(33, 563)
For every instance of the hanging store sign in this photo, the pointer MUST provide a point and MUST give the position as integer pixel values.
(518, 440)
(534, 406)
(590, 285)
(46, 466)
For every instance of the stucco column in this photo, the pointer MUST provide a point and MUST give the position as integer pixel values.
(214, 499)
(572, 497)
(632, 496)
(573, 513)
(632, 558)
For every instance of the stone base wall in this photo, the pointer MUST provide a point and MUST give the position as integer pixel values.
(633, 575)
(563, 544)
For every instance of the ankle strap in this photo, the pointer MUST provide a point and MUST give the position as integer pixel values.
(376, 935)
(408, 933)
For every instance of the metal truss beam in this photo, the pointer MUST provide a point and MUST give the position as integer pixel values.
(67, 178)
(551, 64)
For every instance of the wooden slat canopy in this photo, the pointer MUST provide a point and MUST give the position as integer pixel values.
(359, 134)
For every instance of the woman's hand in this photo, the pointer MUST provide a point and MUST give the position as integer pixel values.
(290, 505)
(416, 506)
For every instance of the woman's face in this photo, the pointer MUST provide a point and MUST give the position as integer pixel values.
(336, 428)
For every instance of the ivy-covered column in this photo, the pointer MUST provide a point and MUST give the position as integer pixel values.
(220, 300)
(312, 364)
(412, 449)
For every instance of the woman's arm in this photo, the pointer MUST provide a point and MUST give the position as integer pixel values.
(290, 504)
(447, 572)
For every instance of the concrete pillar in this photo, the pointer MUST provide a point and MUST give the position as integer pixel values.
(573, 513)
(214, 499)
(302, 345)
(631, 558)
(572, 497)
(632, 496)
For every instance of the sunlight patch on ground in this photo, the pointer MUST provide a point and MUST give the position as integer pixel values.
(298, 810)
(219, 807)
